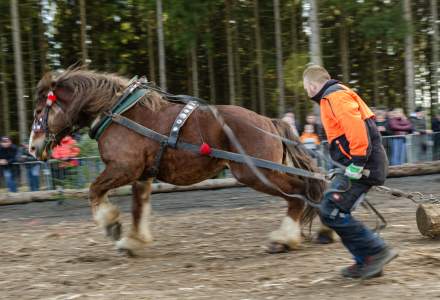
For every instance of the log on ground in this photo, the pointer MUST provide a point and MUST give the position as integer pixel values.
(428, 219)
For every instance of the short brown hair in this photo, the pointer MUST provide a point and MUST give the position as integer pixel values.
(316, 73)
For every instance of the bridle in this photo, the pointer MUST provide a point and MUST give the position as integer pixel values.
(41, 124)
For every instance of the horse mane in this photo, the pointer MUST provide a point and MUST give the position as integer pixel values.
(95, 92)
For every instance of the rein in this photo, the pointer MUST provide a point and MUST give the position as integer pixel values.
(253, 163)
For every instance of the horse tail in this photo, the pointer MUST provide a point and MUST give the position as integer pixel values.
(298, 157)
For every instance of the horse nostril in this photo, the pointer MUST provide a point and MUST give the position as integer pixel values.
(32, 148)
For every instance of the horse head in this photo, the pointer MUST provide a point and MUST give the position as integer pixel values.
(53, 101)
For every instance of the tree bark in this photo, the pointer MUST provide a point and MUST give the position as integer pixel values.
(150, 41)
(211, 73)
(345, 51)
(375, 77)
(18, 67)
(409, 57)
(259, 61)
(231, 75)
(161, 46)
(293, 28)
(3, 81)
(194, 69)
(435, 53)
(237, 64)
(82, 12)
(315, 38)
(279, 54)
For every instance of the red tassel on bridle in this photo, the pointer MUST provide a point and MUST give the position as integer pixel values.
(51, 98)
(205, 149)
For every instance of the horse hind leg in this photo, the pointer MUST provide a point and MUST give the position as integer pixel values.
(139, 235)
(288, 235)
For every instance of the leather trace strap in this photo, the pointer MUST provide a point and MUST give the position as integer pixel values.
(184, 114)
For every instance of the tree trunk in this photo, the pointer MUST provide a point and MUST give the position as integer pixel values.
(194, 69)
(237, 69)
(435, 53)
(409, 57)
(3, 80)
(31, 63)
(150, 41)
(293, 28)
(315, 38)
(231, 75)
(375, 77)
(161, 46)
(345, 52)
(259, 62)
(18, 67)
(253, 88)
(82, 12)
(279, 51)
(211, 75)
(42, 43)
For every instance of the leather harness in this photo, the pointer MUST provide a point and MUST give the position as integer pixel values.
(139, 88)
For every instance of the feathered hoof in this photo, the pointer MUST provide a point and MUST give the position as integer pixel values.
(114, 231)
(324, 238)
(275, 248)
(126, 252)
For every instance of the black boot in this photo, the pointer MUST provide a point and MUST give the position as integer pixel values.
(374, 264)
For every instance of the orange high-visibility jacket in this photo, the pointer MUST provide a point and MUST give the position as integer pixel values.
(343, 112)
(351, 131)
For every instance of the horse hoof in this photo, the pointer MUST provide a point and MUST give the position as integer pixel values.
(324, 239)
(126, 252)
(275, 248)
(114, 231)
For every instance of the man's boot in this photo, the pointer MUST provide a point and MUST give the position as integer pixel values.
(374, 264)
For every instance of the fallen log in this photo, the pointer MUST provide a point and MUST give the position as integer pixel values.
(428, 219)
(26, 197)
(427, 168)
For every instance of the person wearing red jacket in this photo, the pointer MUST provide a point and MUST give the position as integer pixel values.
(355, 143)
(66, 152)
(399, 126)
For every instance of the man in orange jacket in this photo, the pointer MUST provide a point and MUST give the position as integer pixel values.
(355, 143)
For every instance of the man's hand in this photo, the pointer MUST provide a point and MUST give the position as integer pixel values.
(3, 162)
(354, 172)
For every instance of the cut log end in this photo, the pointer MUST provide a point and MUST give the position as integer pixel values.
(428, 220)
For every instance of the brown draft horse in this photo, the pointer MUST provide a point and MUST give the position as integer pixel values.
(82, 96)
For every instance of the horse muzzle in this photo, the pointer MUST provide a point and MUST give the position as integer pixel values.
(39, 146)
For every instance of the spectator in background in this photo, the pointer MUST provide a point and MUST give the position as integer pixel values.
(312, 119)
(289, 118)
(381, 122)
(66, 152)
(399, 126)
(309, 138)
(32, 168)
(382, 126)
(8, 155)
(420, 142)
(435, 125)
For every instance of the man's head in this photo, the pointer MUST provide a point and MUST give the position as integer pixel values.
(314, 78)
(309, 128)
(5, 142)
(311, 119)
(420, 113)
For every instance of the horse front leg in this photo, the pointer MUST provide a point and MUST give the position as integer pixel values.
(139, 235)
(105, 214)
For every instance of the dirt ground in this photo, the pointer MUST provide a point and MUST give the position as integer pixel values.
(208, 245)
